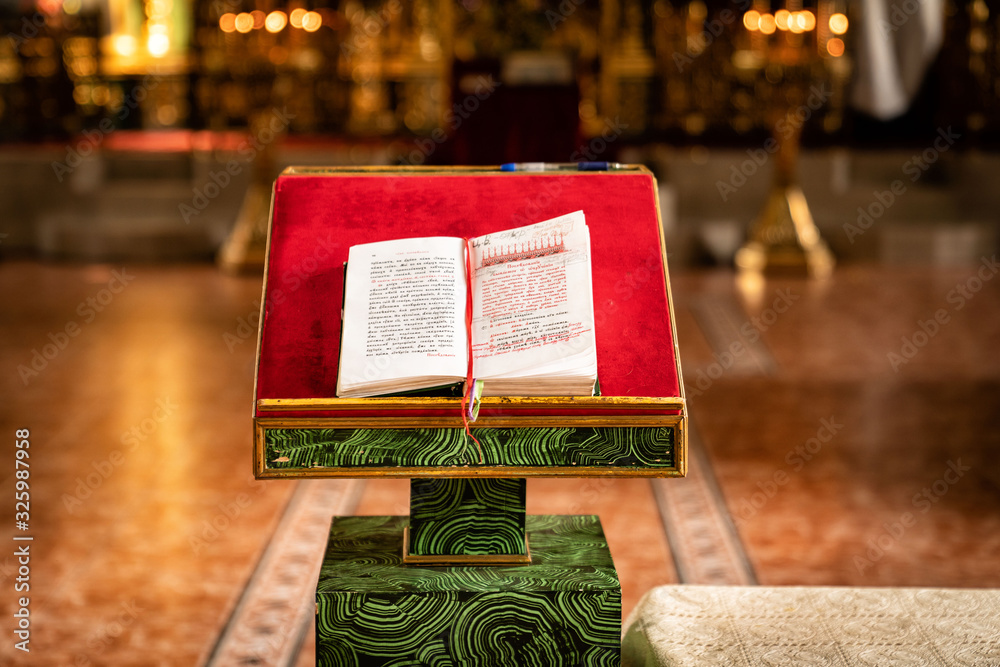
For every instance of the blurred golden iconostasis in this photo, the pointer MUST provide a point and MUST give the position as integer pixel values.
(157, 126)
(852, 144)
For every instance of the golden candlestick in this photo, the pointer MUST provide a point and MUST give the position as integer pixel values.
(784, 237)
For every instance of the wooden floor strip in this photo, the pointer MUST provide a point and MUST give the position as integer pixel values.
(703, 540)
(723, 321)
(269, 623)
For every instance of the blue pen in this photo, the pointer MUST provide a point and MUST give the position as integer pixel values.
(561, 166)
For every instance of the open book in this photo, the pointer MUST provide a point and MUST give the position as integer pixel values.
(520, 302)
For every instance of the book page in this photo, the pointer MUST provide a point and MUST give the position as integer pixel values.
(404, 316)
(533, 311)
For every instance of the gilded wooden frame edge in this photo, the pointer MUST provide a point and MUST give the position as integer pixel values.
(258, 437)
(279, 405)
(677, 422)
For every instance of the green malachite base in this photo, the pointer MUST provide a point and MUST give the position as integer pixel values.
(562, 609)
(619, 447)
(467, 517)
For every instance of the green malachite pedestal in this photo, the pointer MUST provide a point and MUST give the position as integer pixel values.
(564, 608)
(462, 521)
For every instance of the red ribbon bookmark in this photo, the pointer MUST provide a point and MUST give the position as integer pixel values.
(470, 382)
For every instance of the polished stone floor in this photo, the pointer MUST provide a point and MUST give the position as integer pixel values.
(845, 432)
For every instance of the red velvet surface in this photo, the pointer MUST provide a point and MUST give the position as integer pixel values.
(453, 413)
(317, 218)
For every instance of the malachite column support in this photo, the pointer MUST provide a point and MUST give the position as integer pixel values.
(475, 521)
(372, 609)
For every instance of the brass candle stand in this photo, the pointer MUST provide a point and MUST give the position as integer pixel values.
(794, 49)
(784, 237)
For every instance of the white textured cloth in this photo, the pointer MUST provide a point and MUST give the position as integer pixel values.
(896, 41)
(756, 625)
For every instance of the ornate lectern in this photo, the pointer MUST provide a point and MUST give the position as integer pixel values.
(466, 578)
